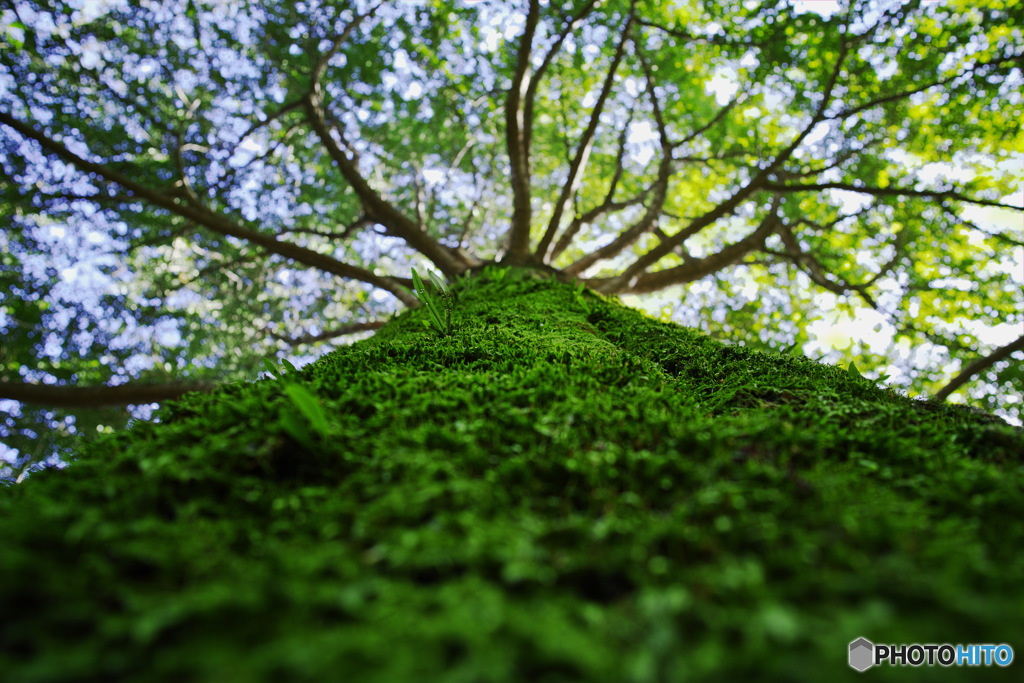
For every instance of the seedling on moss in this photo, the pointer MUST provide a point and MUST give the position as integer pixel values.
(855, 373)
(432, 302)
(578, 294)
(496, 274)
(304, 402)
(274, 372)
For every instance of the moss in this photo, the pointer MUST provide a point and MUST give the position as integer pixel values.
(556, 492)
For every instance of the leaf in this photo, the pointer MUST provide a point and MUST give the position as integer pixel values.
(285, 362)
(854, 372)
(271, 370)
(309, 406)
(417, 283)
(424, 295)
(438, 282)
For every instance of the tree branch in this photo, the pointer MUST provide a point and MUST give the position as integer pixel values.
(359, 223)
(974, 226)
(586, 144)
(629, 278)
(324, 59)
(887, 192)
(531, 90)
(339, 331)
(978, 365)
(605, 207)
(70, 396)
(715, 120)
(659, 189)
(208, 219)
(376, 207)
(516, 143)
(697, 268)
(817, 272)
(894, 97)
(691, 38)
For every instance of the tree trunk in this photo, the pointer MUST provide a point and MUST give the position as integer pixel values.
(562, 489)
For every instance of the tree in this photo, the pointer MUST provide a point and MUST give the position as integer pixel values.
(342, 138)
(226, 183)
(554, 485)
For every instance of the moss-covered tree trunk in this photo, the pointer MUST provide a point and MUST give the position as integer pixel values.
(560, 490)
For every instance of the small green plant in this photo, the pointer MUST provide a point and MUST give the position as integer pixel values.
(578, 295)
(855, 373)
(274, 372)
(496, 275)
(305, 404)
(433, 302)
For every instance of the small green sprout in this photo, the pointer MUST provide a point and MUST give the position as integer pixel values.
(305, 403)
(274, 372)
(578, 295)
(496, 274)
(432, 302)
(855, 374)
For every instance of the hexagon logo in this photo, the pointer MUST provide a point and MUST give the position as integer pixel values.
(862, 654)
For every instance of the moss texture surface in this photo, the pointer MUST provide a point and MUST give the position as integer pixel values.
(562, 490)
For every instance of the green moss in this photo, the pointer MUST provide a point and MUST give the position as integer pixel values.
(549, 494)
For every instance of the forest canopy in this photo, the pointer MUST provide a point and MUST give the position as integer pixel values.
(188, 188)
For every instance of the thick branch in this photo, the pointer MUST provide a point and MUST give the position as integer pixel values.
(376, 207)
(579, 162)
(69, 396)
(208, 219)
(515, 140)
(977, 366)
(697, 268)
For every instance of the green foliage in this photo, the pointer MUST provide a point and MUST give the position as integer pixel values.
(544, 493)
(892, 193)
